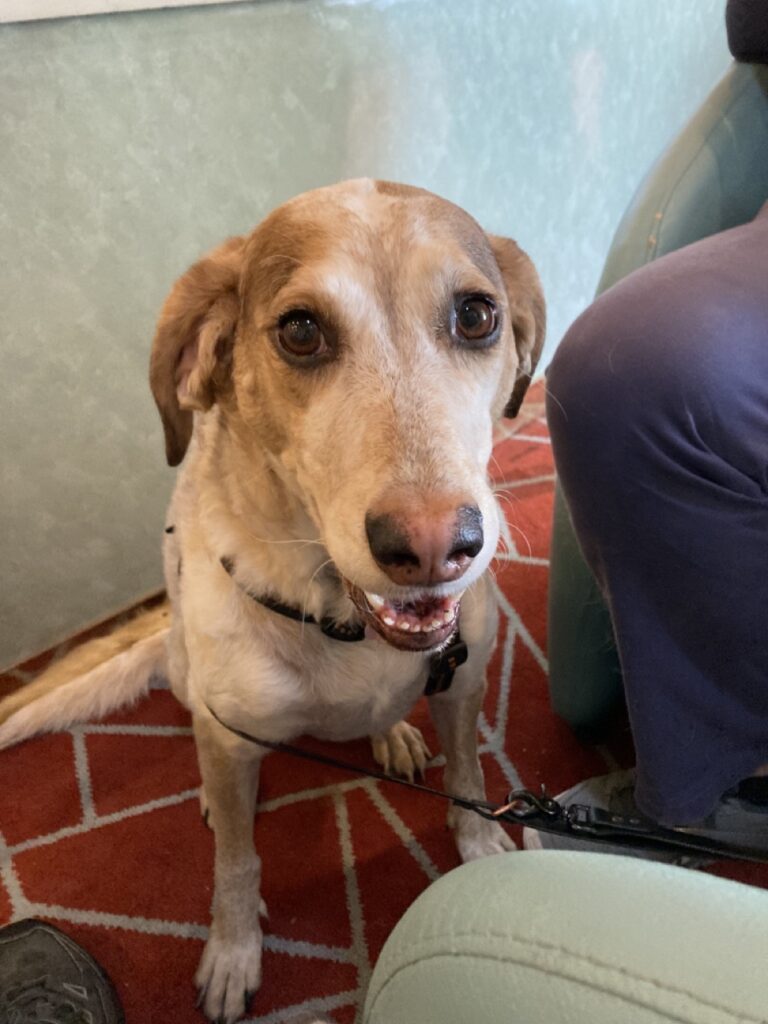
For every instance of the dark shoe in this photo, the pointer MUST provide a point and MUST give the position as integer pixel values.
(740, 817)
(46, 977)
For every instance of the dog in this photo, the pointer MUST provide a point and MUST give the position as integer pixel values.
(329, 384)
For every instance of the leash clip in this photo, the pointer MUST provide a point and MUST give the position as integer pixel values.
(524, 805)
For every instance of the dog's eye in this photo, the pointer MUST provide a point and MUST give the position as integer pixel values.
(300, 335)
(475, 319)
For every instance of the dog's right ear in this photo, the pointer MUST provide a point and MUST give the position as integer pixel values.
(192, 351)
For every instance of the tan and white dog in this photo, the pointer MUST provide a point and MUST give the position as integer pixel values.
(331, 381)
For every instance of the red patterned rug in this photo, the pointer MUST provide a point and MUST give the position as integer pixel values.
(100, 830)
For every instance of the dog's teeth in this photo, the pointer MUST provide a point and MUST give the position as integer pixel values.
(374, 600)
(388, 620)
(448, 616)
(416, 628)
(435, 624)
(405, 626)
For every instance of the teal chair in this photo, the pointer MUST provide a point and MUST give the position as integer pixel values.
(712, 177)
(575, 938)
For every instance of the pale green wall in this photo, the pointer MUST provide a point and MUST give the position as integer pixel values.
(130, 143)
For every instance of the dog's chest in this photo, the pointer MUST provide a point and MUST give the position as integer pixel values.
(361, 691)
(322, 687)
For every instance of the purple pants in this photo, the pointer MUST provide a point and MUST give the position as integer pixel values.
(658, 410)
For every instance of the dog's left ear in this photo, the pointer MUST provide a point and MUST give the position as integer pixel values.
(528, 311)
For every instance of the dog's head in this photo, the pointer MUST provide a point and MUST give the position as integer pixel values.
(367, 336)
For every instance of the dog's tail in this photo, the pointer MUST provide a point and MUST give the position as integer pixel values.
(90, 681)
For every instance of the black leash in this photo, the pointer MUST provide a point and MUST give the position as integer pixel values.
(355, 769)
(593, 824)
(544, 813)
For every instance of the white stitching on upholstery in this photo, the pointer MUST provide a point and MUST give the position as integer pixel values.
(579, 957)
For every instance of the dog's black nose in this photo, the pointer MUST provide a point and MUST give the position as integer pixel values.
(424, 543)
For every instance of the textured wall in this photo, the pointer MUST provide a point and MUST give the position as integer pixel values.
(130, 143)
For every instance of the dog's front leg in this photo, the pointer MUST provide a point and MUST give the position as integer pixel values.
(455, 715)
(230, 968)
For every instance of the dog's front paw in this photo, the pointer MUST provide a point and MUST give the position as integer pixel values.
(401, 751)
(478, 837)
(228, 975)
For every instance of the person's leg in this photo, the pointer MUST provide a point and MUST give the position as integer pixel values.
(658, 410)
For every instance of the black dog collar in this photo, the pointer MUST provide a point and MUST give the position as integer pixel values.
(348, 634)
(442, 666)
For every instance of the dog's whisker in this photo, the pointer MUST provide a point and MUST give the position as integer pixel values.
(495, 461)
(513, 526)
(524, 535)
(497, 569)
(502, 547)
(510, 498)
(328, 561)
(298, 540)
(556, 400)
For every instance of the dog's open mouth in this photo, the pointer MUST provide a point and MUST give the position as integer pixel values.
(419, 624)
